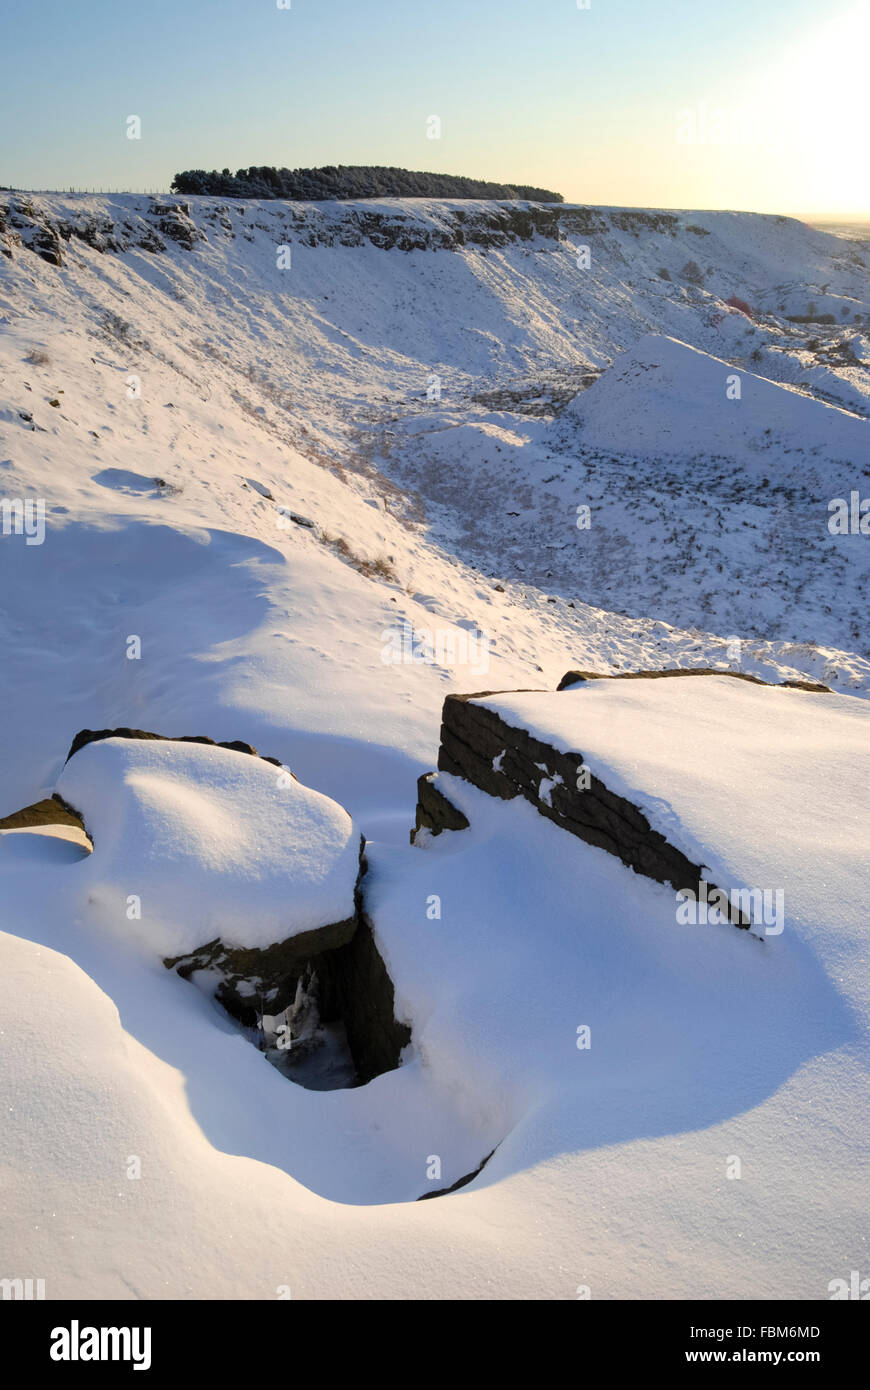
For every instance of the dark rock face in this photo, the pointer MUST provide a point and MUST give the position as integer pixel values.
(258, 981)
(86, 736)
(496, 225)
(175, 222)
(577, 677)
(151, 224)
(635, 222)
(52, 811)
(151, 241)
(98, 232)
(46, 243)
(355, 988)
(24, 223)
(473, 738)
(339, 968)
(583, 222)
(20, 225)
(507, 761)
(434, 811)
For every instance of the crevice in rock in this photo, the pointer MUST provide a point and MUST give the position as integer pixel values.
(460, 1182)
(327, 989)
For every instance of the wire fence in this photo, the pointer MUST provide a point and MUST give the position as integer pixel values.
(134, 192)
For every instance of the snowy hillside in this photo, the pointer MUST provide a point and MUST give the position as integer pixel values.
(664, 399)
(291, 474)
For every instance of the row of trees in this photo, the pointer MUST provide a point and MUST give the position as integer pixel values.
(347, 181)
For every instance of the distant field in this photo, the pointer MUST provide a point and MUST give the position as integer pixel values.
(856, 231)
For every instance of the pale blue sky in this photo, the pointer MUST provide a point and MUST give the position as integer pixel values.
(589, 102)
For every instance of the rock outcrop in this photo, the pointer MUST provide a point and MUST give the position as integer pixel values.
(149, 224)
(356, 988)
(506, 761)
(86, 736)
(26, 222)
(577, 677)
(175, 222)
(52, 812)
(434, 811)
(332, 974)
(338, 966)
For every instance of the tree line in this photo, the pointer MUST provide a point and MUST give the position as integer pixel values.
(350, 182)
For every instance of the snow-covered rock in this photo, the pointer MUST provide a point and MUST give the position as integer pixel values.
(193, 842)
(705, 761)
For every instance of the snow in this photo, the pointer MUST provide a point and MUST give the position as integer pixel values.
(664, 397)
(703, 1045)
(211, 841)
(45, 844)
(769, 788)
(545, 790)
(170, 517)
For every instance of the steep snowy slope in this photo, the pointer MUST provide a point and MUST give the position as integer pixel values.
(204, 365)
(679, 484)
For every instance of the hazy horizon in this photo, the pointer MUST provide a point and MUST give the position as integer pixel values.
(752, 109)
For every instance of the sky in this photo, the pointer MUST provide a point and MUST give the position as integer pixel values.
(755, 105)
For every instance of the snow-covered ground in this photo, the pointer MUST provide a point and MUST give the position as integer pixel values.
(172, 412)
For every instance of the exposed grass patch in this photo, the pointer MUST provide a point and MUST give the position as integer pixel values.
(379, 568)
